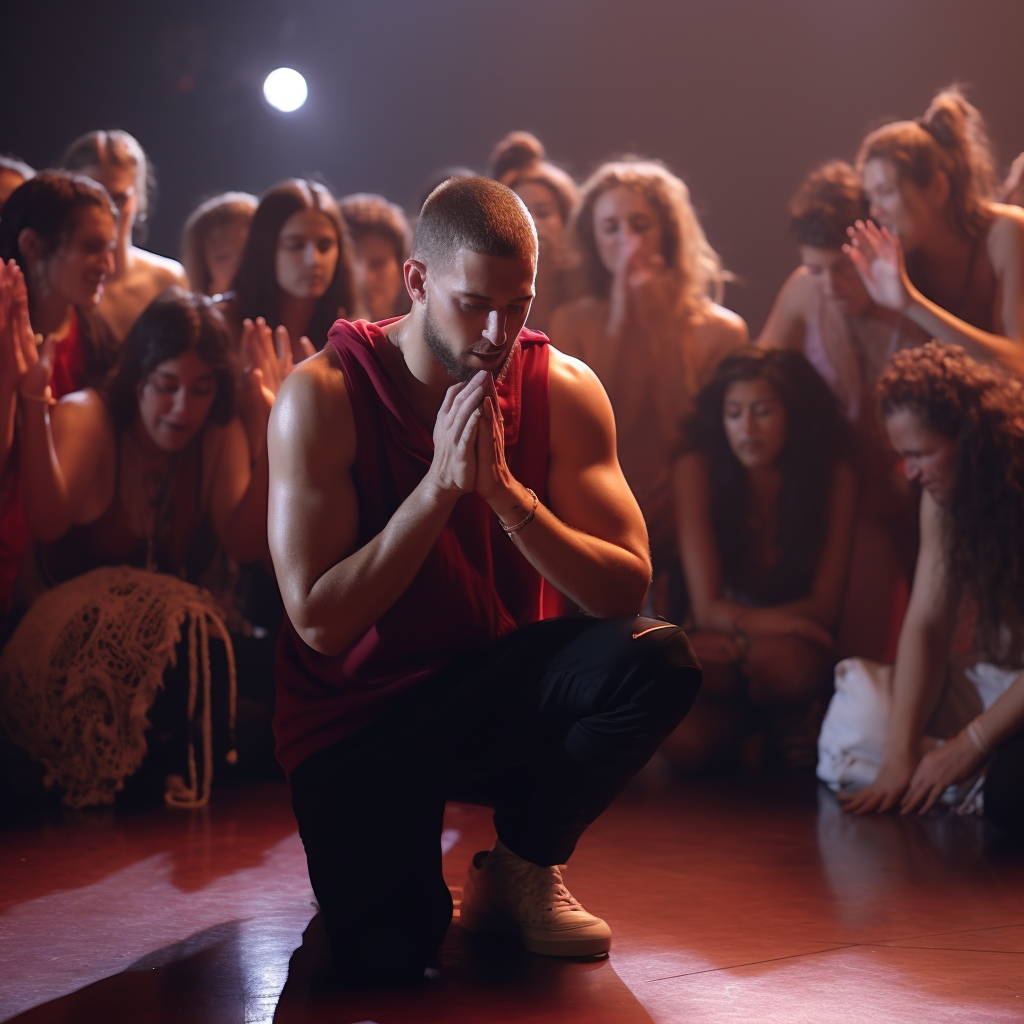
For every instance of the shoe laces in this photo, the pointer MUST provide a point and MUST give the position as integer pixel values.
(546, 889)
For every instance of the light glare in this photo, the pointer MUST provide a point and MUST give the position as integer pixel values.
(285, 89)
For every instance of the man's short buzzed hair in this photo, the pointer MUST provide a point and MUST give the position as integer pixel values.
(477, 214)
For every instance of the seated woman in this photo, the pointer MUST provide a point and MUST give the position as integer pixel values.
(552, 197)
(117, 161)
(824, 311)
(959, 429)
(941, 252)
(56, 250)
(650, 325)
(213, 239)
(764, 499)
(153, 473)
(381, 240)
(296, 268)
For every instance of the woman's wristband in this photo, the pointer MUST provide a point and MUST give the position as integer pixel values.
(977, 736)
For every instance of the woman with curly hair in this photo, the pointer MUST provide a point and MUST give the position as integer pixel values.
(941, 252)
(959, 429)
(764, 500)
(650, 325)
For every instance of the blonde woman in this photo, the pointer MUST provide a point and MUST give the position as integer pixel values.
(650, 326)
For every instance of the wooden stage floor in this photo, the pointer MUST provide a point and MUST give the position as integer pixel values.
(730, 901)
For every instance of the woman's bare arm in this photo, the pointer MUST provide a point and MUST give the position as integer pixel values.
(922, 658)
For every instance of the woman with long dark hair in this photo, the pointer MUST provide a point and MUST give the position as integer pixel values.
(904, 737)
(130, 490)
(764, 501)
(939, 250)
(296, 269)
(57, 238)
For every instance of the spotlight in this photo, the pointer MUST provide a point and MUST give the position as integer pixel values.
(285, 90)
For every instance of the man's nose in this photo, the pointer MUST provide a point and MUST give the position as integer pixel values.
(494, 332)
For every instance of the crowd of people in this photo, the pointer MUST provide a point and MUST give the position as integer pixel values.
(843, 493)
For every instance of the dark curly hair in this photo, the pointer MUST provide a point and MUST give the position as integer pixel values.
(984, 517)
(817, 438)
(172, 324)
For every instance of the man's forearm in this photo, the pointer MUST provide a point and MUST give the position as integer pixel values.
(353, 594)
(604, 579)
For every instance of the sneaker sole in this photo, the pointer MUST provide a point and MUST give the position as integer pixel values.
(539, 941)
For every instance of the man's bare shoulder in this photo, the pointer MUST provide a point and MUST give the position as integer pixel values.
(313, 404)
(567, 373)
(578, 402)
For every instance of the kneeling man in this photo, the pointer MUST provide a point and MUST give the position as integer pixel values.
(439, 483)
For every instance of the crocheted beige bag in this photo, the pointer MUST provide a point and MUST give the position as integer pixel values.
(84, 666)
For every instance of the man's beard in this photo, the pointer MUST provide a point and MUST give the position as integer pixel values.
(441, 352)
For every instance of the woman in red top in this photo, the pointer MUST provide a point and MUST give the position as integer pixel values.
(59, 229)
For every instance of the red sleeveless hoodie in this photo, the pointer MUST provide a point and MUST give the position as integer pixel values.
(474, 586)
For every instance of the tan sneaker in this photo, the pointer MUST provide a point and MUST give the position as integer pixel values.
(507, 895)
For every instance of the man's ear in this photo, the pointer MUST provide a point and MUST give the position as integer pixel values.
(415, 280)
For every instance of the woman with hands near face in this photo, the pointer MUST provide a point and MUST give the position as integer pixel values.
(650, 326)
(57, 238)
(940, 251)
(960, 432)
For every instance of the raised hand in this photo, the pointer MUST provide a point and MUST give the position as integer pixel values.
(23, 366)
(454, 466)
(878, 258)
(492, 473)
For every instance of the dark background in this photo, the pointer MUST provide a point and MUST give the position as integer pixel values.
(740, 97)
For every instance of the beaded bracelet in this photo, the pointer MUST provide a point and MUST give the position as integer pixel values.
(525, 522)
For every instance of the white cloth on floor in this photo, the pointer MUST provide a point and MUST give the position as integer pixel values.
(853, 730)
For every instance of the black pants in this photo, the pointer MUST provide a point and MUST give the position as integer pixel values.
(546, 725)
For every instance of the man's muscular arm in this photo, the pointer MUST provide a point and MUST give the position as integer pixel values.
(332, 590)
(592, 542)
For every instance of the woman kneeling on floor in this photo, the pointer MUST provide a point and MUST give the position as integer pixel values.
(939, 726)
(136, 488)
(764, 502)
